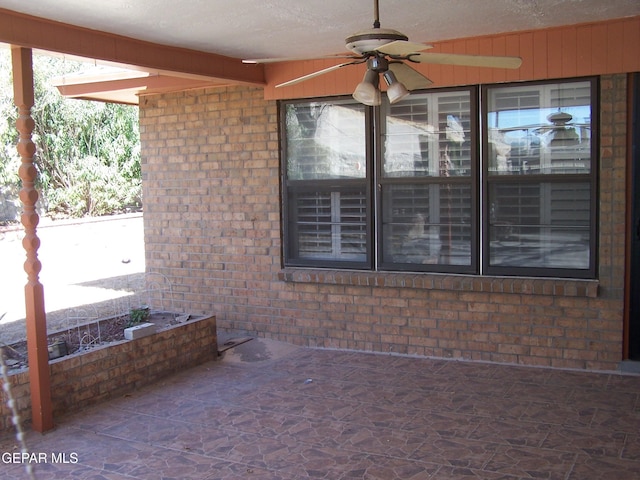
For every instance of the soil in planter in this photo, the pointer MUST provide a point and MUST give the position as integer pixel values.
(85, 337)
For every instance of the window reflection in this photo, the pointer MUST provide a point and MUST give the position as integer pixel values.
(543, 129)
(426, 181)
(325, 141)
(419, 132)
(495, 180)
(544, 225)
(427, 224)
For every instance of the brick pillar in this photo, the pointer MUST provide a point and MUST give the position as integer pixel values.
(39, 375)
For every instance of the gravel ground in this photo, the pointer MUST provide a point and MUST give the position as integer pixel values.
(91, 268)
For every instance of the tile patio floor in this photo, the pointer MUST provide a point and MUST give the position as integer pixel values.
(306, 413)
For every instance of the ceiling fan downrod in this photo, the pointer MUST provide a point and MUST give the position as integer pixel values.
(376, 14)
(367, 41)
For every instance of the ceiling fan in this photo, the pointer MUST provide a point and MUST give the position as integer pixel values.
(385, 52)
(560, 120)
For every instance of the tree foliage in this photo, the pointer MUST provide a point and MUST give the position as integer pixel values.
(87, 153)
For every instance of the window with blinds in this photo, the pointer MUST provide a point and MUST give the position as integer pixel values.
(327, 185)
(539, 180)
(425, 183)
(329, 225)
(498, 180)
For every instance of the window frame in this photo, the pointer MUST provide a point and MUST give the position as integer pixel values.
(471, 180)
(542, 178)
(289, 243)
(480, 184)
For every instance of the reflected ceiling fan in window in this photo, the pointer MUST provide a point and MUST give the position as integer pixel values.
(560, 121)
(388, 52)
(562, 129)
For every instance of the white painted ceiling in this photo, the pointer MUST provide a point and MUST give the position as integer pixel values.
(275, 28)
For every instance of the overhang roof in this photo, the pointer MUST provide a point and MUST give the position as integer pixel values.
(212, 36)
(126, 85)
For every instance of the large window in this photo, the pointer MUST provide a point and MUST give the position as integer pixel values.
(327, 176)
(540, 179)
(420, 186)
(426, 183)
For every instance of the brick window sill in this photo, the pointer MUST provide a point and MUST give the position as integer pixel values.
(432, 281)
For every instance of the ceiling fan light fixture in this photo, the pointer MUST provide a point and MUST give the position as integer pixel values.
(367, 91)
(396, 91)
(380, 47)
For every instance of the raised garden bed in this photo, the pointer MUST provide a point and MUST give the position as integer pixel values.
(106, 370)
(86, 336)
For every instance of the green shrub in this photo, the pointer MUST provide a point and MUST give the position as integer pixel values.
(87, 153)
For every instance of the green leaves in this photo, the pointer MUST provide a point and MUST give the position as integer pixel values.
(88, 153)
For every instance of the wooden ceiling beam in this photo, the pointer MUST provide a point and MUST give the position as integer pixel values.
(40, 33)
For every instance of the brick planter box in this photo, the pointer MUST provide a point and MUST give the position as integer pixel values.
(108, 371)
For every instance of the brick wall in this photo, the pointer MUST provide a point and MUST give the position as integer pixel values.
(212, 226)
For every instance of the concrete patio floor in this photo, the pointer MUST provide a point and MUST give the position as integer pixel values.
(268, 410)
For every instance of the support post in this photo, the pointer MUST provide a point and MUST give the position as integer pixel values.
(38, 354)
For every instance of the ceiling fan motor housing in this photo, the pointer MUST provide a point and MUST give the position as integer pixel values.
(560, 118)
(367, 41)
(378, 64)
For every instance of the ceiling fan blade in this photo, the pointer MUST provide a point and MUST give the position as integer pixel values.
(295, 59)
(402, 48)
(467, 60)
(318, 73)
(406, 75)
